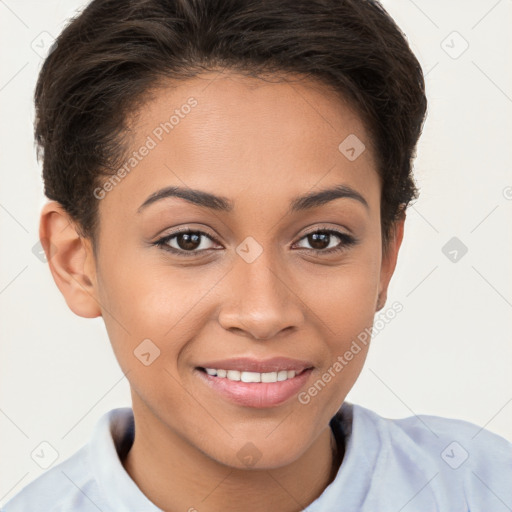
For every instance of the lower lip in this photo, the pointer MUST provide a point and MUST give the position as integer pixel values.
(256, 394)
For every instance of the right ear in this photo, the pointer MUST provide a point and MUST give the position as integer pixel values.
(71, 260)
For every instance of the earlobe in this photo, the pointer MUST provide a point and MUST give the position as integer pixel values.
(389, 259)
(70, 258)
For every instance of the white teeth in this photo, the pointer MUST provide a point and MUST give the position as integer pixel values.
(236, 375)
(282, 375)
(269, 377)
(233, 375)
(250, 377)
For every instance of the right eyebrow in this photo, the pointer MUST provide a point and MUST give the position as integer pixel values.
(198, 197)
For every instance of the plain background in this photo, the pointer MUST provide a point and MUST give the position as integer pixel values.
(448, 353)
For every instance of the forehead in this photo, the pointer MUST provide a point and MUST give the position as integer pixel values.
(229, 133)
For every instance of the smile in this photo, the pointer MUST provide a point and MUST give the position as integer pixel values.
(254, 389)
(247, 376)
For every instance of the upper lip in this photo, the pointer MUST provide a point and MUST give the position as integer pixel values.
(249, 364)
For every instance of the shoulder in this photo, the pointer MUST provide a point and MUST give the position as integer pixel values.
(455, 457)
(78, 482)
(66, 486)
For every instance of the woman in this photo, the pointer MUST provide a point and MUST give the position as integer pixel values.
(228, 182)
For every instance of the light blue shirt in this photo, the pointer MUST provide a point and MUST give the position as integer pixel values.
(416, 464)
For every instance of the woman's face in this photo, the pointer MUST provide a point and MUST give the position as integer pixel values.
(252, 280)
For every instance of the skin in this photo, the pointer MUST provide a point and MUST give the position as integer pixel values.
(259, 144)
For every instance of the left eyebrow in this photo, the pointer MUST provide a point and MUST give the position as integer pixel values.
(220, 203)
(315, 199)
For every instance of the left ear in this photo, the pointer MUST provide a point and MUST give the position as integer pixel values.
(389, 258)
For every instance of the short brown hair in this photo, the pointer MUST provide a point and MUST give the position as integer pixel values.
(113, 52)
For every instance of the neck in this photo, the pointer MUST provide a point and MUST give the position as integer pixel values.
(175, 475)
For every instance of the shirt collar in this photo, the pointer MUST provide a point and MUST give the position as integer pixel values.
(114, 434)
(363, 447)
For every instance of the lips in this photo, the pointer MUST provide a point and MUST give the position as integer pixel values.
(255, 393)
(247, 364)
(258, 395)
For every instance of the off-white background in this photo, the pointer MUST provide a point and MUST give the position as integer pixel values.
(447, 353)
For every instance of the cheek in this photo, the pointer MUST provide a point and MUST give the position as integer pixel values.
(344, 297)
(152, 302)
(343, 305)
(347, 298)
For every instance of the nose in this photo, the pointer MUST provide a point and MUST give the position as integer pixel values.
(263, 300)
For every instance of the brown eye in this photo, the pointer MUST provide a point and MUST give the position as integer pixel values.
(188, 241)
(328, 241)
(185, 242)
(319, 240)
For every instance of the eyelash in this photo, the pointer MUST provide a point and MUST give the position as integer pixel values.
(346, 242)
